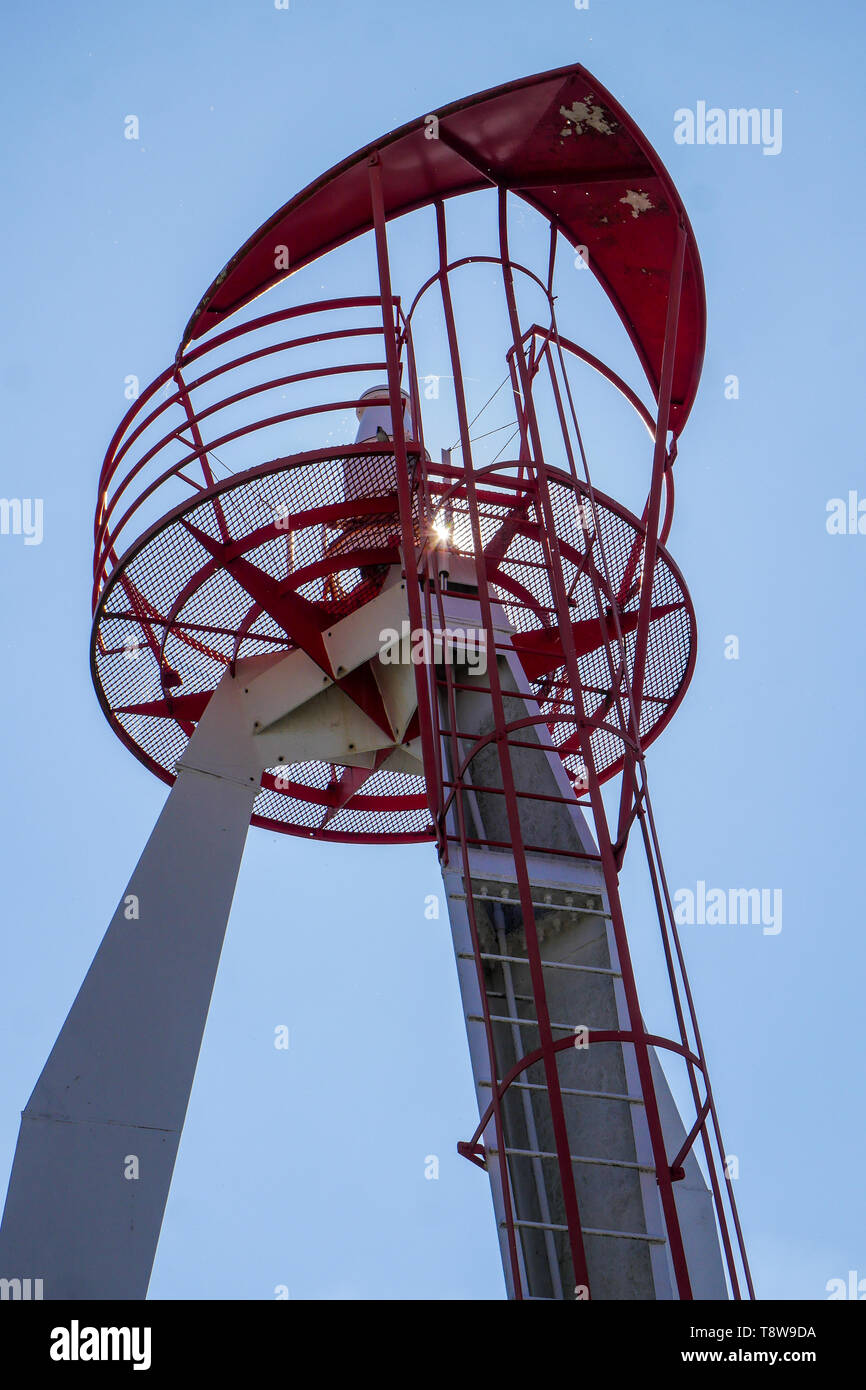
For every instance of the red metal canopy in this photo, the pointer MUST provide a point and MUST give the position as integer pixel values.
(561, 142)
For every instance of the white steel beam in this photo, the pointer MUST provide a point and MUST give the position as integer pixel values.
(99, 1135)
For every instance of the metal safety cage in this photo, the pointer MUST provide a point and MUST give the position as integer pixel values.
(606, 661)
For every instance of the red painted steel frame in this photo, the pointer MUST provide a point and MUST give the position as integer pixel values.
(510, 137)
(146, 588)
(668, 1167)
(495, 141)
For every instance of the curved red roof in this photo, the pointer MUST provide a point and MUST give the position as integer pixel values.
(559, 141)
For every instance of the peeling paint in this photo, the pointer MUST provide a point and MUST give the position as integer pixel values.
(583, 116)
(637, 201)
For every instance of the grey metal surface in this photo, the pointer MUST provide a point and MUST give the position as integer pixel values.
(112, 1097)
(624, 1237)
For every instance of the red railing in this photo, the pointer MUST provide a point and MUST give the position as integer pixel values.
(191, 422)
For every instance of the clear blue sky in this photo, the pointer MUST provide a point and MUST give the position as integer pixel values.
(306, 1168)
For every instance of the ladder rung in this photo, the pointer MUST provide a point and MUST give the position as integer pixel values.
(577, 1158)
(588, 1231)
(545, 964)
(524, 1022)
(570, 1091)
(515, 902)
